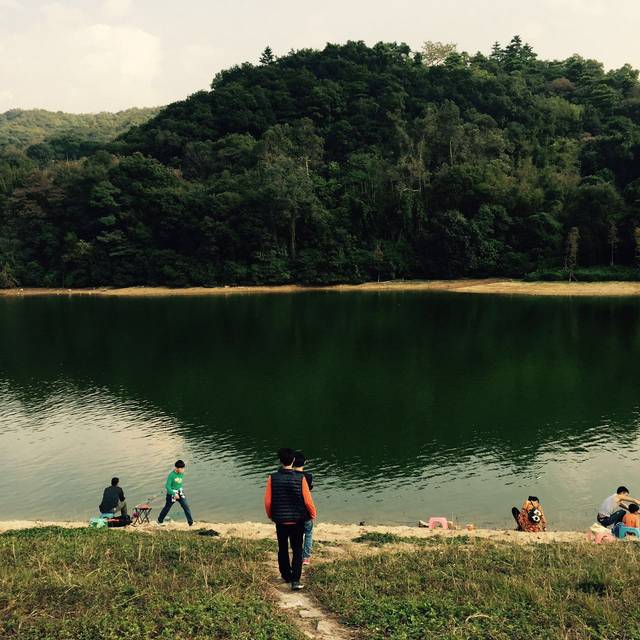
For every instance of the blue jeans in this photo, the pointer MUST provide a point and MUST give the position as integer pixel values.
(614, 518)
(308, 539)
(169, 503)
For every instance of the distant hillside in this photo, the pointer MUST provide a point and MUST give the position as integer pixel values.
(23, 128)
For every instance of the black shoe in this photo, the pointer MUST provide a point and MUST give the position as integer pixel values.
(296, 586)
(287, 580)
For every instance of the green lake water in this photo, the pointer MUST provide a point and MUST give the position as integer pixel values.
(408, 404)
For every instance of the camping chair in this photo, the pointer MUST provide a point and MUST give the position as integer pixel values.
(141, 513)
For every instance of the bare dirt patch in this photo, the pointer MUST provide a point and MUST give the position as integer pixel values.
(487, 286)
(330, 533)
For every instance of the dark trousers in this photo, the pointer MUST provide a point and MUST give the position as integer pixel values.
(169, 503)
(614, 518)
(290, 534)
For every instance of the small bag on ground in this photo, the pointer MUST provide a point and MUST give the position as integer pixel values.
(120, 521)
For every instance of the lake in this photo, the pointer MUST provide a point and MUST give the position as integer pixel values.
(408, 404)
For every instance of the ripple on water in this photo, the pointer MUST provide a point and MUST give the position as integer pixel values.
(65, 444)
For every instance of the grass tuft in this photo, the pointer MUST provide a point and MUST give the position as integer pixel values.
(376, 539)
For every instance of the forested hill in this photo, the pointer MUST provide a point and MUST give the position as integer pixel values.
(22, 128)
(346, 164)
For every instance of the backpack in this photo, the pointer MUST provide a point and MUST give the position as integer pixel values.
(120, 521)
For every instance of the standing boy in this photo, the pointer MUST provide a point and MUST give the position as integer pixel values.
(307, 546)
(175, 493)
(289, 504)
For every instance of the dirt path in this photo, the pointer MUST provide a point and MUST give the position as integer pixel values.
(305, 613)
(308, 616)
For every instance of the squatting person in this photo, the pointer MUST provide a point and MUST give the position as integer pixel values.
(613, 509)
(113, 499)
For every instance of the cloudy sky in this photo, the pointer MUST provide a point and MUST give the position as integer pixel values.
(93, 55)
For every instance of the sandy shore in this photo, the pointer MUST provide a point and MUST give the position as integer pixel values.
(487, 286)
(323, 532)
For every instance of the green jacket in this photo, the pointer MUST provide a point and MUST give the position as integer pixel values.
(174, 482)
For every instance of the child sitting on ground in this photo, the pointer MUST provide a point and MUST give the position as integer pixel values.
(530, 517)
(632, 519)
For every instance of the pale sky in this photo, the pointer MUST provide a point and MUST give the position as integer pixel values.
(106, 55)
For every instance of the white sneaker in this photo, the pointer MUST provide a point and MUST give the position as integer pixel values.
(160, 524)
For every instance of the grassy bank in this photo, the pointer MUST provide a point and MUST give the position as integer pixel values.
(83, 584)
(470, 588)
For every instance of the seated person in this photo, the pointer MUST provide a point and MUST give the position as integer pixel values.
(631, 519)
(113, 499)
(613, 508)
(530, 517)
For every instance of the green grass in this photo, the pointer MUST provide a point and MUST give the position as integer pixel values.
(85, 584)
(481, 589)
(586, 274)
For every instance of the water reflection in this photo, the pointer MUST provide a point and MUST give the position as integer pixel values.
(408, 402)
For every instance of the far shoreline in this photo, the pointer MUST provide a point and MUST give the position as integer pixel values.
(477, 286)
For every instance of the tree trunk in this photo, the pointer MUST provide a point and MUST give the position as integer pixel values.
(612, 245)
(293, 236)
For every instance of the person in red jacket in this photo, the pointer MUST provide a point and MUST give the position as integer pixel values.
(289, 505)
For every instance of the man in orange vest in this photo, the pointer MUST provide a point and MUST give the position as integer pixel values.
(289, 505)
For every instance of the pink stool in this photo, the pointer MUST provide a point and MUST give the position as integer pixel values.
(600, 537)
(434, 522)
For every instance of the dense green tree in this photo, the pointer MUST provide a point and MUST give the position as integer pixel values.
(267, 56)
(288, 159)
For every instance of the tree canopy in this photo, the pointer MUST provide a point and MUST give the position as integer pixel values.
(341, 165)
